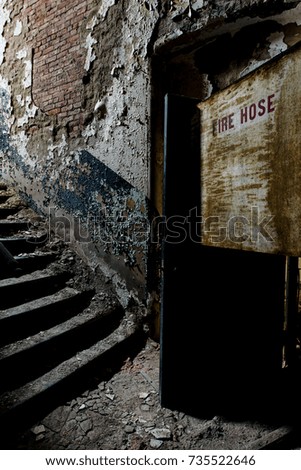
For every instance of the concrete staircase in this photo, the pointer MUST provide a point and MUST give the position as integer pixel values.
(62, 329)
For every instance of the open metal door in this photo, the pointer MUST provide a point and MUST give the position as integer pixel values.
(221, 309)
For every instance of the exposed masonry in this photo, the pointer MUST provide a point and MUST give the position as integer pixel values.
(58, 58)
(80, 81)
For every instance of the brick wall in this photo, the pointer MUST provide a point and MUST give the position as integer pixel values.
(58, 56)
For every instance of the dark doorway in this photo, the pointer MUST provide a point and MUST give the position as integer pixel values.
(222, 310)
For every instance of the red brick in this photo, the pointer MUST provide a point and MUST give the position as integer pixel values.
(59, 55)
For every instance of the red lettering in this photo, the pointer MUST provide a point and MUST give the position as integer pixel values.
(224, 124)
(244, 115)
(257, 109)
(248, 113)
(261, 106)
(252, 111)
(271, 106)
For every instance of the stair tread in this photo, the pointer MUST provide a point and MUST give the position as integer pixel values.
(8, 210)
(33, 261)
(9, 227)
(30, 286)
(4, 198)
(24, 243)
(53, 299)
(15, 221)
(35, 254)
(35, 276)
(17, 238)
(64, 370)
(69, 325)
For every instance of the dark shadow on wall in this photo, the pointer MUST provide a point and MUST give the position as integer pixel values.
(91, 204)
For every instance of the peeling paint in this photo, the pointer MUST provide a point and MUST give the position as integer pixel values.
(91, 56)
(59, 147)
(18, 28)
(209, 87)
(27, 80)
(290, 16)
(5, 116)
(90, 41)
(20, 141)
(20, 100)
(5, 91)
(4, 18)
(104, 8)
(27, 74)
(277, 44)
(90, 130)
(253, 65)
(21, 54)
(30, 110)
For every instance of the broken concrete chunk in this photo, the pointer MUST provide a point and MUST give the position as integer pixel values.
(38, 429)
(155, 443)
(110, 396)
(161, 433)
(129, 429)
(86, 425)
(144, 407)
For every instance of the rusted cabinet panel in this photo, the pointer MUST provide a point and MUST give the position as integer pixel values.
(251, 161)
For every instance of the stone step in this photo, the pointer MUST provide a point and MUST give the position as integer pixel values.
(33, 317)
(13, 226)
(34, 356)
(17, 290)
(18, 245)
(6, 211)
(30, 262)
(22, 407)
(4, 197)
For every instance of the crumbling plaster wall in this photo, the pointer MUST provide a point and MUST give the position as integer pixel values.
(79, 83)
(75, 94)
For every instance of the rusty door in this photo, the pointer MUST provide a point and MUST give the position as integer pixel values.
(221, 309)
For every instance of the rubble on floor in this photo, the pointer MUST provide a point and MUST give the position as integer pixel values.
(124, 413)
